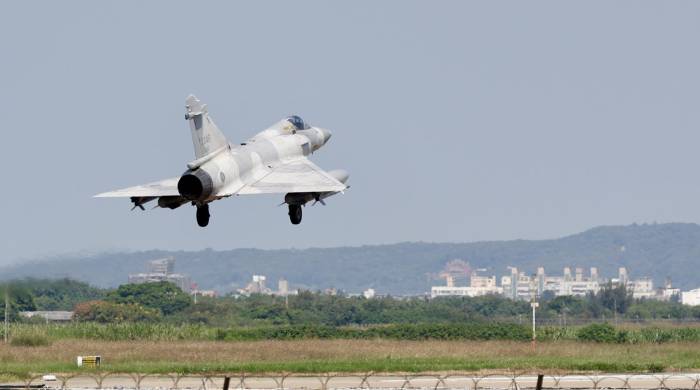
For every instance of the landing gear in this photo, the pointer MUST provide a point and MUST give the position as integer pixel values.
(295, 213)
(203, 215)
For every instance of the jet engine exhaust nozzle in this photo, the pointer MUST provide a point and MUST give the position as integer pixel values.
(195, 185)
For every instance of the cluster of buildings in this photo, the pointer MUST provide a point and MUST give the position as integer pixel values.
(516, 284)
(478, 286)
(257, 286)
(520, 286)
(163, 270)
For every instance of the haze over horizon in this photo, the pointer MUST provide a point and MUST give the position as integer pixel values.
(662, 252)
(90, 253)
(458, 122)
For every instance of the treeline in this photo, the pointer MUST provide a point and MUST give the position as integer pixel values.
(45, 294)
(165, 303)
(610, 304)
(130, 302)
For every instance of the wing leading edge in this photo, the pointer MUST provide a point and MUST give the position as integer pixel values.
(167, 187)
(296, 176)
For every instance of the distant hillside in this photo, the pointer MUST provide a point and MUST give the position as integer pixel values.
(655, 250)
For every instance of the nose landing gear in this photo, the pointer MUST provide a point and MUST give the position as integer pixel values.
(203, 215)
(295, 214)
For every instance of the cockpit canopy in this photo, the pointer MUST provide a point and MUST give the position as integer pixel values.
(297, 122)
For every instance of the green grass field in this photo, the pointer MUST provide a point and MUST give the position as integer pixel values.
(318, 356)
(162, 349)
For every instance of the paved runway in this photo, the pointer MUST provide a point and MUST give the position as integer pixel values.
(380, 381)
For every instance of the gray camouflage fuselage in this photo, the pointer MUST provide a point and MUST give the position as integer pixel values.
(273, 161)
(236, 166)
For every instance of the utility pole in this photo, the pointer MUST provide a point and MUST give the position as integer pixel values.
(534, 304)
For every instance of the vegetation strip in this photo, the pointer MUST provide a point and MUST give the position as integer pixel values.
(165, 303)
(43, 334)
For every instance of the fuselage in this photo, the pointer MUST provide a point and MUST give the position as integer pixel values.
(225, 172)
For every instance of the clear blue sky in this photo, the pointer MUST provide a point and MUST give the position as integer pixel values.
(458, 121)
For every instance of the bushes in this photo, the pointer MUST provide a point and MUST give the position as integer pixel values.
(556, 333)
(663, 335)
(30, 340)
(146, 302)
(162, 296)
(606, 333)
(494, 331)
(601, 333)
(397, 332)
(117, 331)
(108, 312)
(166, 332)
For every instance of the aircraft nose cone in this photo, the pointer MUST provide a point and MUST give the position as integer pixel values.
(326, 134)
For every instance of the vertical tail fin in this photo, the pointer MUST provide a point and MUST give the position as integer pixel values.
(206, 137)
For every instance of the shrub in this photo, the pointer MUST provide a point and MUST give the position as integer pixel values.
(108, 312)
(163, 296)
(600, 333)
(556, 333)
(30, 340)
(494, 331)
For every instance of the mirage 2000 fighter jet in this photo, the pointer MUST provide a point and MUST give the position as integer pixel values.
(273, 161)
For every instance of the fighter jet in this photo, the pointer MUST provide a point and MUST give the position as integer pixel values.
(272, 162)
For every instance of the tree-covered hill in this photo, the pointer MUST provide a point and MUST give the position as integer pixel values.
(654, 250)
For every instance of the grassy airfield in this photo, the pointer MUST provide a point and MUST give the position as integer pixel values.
(315, 356)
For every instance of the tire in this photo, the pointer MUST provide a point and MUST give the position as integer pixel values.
(203, 215)
(295, 214)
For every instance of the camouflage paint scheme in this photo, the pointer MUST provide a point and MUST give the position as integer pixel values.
(273, 161)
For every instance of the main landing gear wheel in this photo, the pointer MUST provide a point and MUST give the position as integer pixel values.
(295, 213)
(203, 215)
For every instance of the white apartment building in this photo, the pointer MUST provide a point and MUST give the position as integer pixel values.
(478, 286)
(467, 291)
(520, 286)
(691, 298)
(161, 270)
(568, 284)
(642, 288)
(578, 288)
